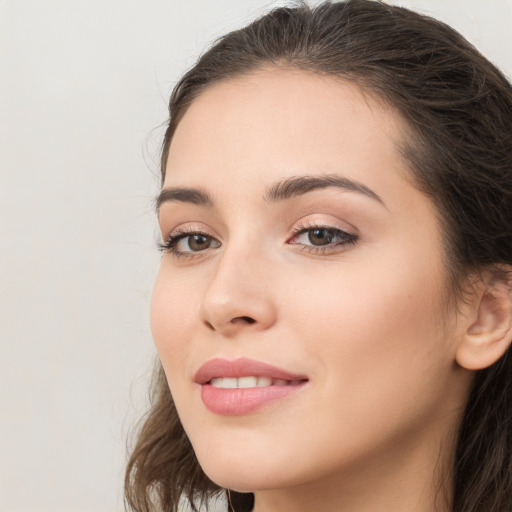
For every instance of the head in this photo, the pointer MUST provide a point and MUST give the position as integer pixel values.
(381, 87)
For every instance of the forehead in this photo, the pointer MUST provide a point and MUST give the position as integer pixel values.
(277, 123)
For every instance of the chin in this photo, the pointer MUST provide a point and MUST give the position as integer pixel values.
(245, 472)
(241, 475)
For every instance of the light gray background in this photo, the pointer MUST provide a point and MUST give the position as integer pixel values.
(83, 91)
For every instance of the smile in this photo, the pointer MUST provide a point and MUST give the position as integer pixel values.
(243, 386)
(250, 382)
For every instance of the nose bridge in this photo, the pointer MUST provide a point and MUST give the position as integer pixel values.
(238, 295)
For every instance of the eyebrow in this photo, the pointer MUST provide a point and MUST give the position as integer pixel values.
(283, 189)
(299, 185)
(184, 195)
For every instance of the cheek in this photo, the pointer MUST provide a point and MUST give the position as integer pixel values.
(172, 326)
(171, 320)
(388, 295)
(375, 330)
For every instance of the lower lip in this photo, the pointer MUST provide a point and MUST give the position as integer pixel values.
(238, 401)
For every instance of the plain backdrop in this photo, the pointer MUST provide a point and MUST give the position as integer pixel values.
(83, 92)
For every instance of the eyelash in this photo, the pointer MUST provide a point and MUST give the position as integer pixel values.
(169, 245)
(346, 239)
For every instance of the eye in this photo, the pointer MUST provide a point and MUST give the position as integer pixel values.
(322, 239)
(194, 243)
(187, 243)
(319, 236)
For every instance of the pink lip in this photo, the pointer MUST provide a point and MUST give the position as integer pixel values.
(242, 367)
(240, 401)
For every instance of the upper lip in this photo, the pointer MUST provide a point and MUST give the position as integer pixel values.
(242, 367)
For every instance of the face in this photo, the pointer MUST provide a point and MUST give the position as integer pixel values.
(297, 311)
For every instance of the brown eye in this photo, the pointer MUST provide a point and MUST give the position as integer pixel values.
(320, 236)
(323, 238)
(194, 243)
(189, 244)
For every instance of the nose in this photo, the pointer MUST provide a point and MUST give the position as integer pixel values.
(239, 297)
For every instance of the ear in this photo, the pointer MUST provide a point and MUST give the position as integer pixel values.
(489, 325)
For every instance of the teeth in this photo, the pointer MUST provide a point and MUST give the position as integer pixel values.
(263, 382)
(224, 382)
(249, 382)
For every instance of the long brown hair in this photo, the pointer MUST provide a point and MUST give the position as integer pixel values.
(458, 107)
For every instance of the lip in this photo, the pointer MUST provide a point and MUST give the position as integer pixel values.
(240, 401)
(242, 367)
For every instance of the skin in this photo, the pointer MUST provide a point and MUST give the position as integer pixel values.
(374, 428)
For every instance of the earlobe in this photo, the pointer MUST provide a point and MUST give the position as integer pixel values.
(489, 334)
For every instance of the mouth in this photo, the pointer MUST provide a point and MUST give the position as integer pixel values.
(244, 386)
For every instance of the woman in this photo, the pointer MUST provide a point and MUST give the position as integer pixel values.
(333, 309)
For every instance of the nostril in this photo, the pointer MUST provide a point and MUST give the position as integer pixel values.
(247, 319)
